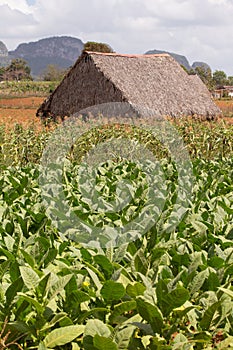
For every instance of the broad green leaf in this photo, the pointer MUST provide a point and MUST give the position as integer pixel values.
(123, 337)
(86, 255)
(202, 338)
(49, 256)
(216, 262)
(135, 289)
(208, 316)
(62, 336)
(94, 278)
(30, 277)
(105, 265)
(58, 286)
(161, 292)
(57, 318)
(39, 308)
(213, 282)
(96, 326)
(42, 286)
(13, 289)
(20, 327)
(199, 226)
(28, 258)
(198, 281)
(79, 296)
(140, 264)
(151, 314)
(102, 343)
(174, 299)
(6, 253)
(119, 309)
(9, 242)
(4, 266)
(112, 291)
(93, 311)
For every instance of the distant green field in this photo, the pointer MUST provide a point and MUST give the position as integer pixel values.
(26, 88)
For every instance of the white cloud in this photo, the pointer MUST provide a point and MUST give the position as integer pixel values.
(200, 29)
(20, 5)
(15, 24)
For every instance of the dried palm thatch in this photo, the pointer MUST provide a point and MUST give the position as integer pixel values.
(146, 82)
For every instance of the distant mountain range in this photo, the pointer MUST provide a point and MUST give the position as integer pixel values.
(63, 51)
(180, 59)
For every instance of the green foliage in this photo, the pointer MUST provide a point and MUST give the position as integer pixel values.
(212, 81)
(22, 88)
(97, 47)
(161, 291)
(53, 73)
(206, 76)
(220, 78)
(230, 80)
(202, 139)
(20, 147)
(17, 70)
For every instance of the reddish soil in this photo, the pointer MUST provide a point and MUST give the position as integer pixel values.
(26, 102)
(20, 111)
(226, 106)
(23, 111)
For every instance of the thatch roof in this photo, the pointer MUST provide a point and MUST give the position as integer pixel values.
(155, 82)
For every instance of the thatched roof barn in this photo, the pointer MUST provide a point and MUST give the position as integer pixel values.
(156, 82)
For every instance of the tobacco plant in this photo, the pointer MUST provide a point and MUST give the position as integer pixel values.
(165, 289)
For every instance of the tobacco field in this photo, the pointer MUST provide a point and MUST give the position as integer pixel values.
(165, 289)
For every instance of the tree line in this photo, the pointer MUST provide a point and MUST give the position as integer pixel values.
(213, 80)
(19, 70)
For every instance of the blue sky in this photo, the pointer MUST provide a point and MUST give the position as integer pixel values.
(202, 30)
(31, 2)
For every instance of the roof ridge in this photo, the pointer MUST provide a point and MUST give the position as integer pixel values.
(126, 55)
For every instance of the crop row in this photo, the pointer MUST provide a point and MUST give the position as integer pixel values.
(205, 140)
(89, 264)
(165, 289)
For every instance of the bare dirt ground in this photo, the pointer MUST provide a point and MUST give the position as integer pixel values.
(22, 110)
(25, 102)
(226, 107)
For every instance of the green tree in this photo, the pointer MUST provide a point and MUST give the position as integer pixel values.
(205, 75)
(230, 80)
(220, 78)
(97, 47)
(53, 73)
(18, 70)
